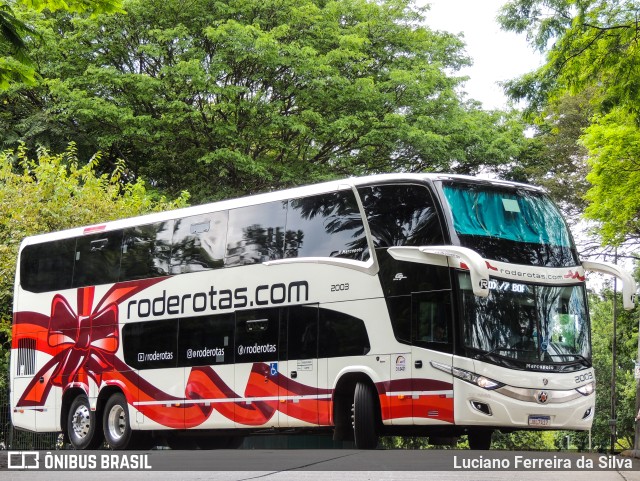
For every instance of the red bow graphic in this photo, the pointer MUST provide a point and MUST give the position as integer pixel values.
(87, 340)
(81, 341)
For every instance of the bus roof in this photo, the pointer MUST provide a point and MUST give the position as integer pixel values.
(302, 191)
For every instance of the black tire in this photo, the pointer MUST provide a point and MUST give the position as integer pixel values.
(82, 426)
(365, 418)
(115, 423)
(480, 439)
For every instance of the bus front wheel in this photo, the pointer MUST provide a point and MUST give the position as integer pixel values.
(81, 425)
(364, 416)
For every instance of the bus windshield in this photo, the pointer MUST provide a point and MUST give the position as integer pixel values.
(516, 226)
(529, 323)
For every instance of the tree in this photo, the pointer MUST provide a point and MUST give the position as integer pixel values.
(613, 141)
(228, 98)
(555, 159)
(15, 64)
(592, 51)
(589, 44)
(55, 192)
(601, 309)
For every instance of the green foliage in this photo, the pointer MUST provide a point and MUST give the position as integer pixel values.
(54, 192)
(589, 44)
(555, 159)
(523, 441)
(16, 66)
(626, 338)
(77, 6)
(591, 53)
(614, 143)
(514, 441)
(228, 98)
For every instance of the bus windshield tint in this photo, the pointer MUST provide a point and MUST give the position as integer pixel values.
(529, 323)
(517, 226)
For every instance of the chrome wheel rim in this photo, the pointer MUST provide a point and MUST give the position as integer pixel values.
(117, 422)
(81, 421)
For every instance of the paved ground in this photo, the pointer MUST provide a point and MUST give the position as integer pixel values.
(301, 465)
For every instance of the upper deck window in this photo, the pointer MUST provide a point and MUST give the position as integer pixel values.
(324, 225)
(146, 251)
(256, 234)
(401, 214)
(327, 225)
(97, 259)
(198, 243)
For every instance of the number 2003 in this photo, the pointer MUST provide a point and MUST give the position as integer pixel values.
(339, 287)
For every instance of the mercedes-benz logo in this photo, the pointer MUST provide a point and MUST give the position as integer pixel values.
(542, 397)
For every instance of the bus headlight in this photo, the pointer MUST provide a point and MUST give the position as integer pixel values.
(486, 383)
(586, 389)
(468, 376)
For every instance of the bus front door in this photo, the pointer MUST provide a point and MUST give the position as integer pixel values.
(432, 341)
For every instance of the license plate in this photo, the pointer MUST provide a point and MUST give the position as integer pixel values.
(539, 420)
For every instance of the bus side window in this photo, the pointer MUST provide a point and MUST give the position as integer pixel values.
(302, 336)
(150, 344)
(48, 266)
(327, 225)
(257, 334)
(97, 259)
(256, 234)
(400, 314)
(432, 320)
(401, 214)
(146, 251)
(198, 242)
(206, 340)
(342, 335)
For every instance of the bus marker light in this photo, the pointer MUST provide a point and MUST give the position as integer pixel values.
(93, 229)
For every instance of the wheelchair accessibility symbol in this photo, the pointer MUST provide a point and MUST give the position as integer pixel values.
(273, 369)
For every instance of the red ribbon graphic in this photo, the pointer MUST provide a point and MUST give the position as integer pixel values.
(83, 342)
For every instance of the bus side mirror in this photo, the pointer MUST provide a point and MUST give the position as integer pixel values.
(628, 283)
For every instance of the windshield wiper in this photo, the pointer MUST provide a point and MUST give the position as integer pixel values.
(492, 352)
(583, 360)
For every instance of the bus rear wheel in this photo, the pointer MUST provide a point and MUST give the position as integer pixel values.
(81, 425)
(115, 423)
(364, 417)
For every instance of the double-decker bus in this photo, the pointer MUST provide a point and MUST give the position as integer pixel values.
(408, 304)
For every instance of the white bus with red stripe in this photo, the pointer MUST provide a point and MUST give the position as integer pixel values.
(419, 304)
